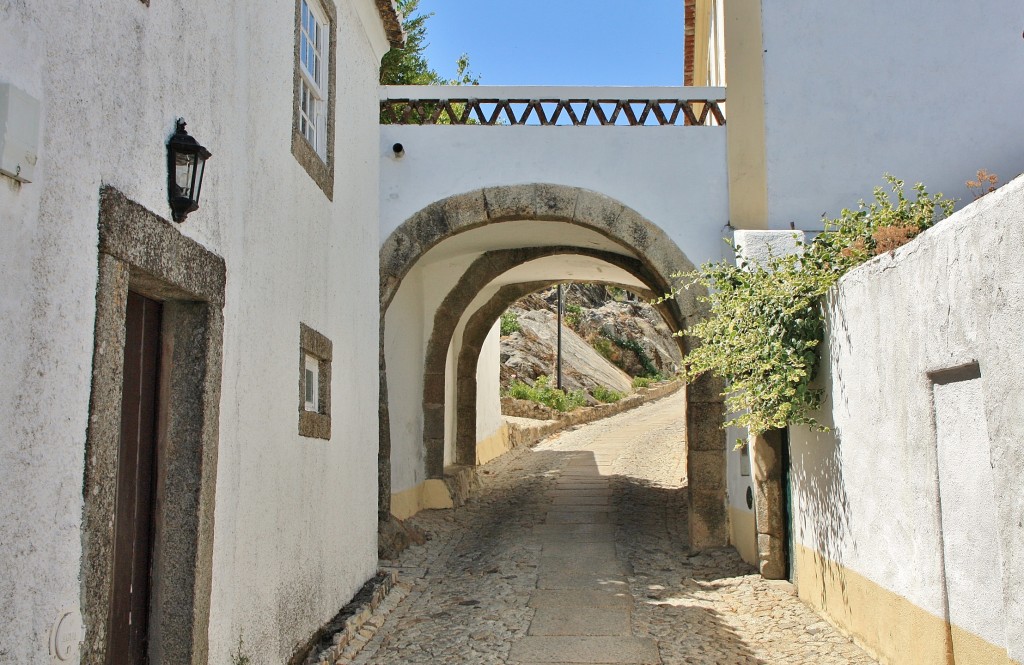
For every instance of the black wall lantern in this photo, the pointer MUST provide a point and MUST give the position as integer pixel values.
(186, 161)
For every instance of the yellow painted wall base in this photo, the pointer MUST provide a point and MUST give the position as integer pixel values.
(743, 534)
(888, 626)
(493, 446)
(430, 494)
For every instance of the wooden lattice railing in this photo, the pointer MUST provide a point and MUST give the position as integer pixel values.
(479, 105)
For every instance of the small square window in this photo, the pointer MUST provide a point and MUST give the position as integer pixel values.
(315, 355)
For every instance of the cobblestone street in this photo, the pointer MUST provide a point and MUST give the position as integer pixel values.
(575, 552)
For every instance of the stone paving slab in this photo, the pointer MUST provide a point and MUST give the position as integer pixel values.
(631, 650)
(556, 517)
(579, 508)
(574, 579)
(574, 499)
(573, 530)
(582, 485)
(603, 491)
(485, 574)
(576, 598)
(568, 549)
(574, 538)
(581, 621)
(582, 567)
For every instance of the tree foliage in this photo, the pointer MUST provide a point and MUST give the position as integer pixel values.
(408, 65)
(766, 325)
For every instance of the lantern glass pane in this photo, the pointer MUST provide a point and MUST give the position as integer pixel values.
(198, 186)
(183, 169)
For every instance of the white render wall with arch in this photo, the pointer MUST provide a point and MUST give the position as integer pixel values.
(675, 177)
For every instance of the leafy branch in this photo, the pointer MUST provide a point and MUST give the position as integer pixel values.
(765, 326)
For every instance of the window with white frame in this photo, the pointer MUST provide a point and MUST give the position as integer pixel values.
(314, 69)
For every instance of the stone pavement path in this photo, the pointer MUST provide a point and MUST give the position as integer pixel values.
(575, 552)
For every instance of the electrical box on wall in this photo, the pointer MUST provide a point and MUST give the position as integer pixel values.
(19, 133)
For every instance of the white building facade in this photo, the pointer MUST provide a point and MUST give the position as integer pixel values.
(262, 504)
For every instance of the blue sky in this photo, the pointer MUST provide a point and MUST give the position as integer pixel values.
(559, 42)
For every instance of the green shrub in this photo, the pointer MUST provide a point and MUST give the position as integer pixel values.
(509, 323)
(573, 316)
(239, 657)
(542, 393)
(606, 395)
(604, 346)
(632, 345)
(617, 294)
(642, 381)
(766, 322)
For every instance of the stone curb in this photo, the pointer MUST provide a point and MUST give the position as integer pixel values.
(359, 621)
(528, 436)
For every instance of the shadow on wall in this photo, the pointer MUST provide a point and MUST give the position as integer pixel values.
(817, 476)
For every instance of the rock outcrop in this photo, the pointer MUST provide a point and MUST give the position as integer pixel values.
(606, 340)
(531, 352)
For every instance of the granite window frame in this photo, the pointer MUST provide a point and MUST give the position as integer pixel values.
(320, 168)
(315, 424)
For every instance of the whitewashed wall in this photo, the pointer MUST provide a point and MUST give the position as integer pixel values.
(295, 518)
(867, 495)
(929, 92)
(673, 176)
(488, 385)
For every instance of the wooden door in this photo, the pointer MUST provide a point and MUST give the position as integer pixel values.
(136, 482)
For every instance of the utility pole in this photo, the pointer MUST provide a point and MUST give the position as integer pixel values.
(558, 366)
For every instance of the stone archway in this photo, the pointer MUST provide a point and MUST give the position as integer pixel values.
(446, 319)
(476, 330)
(657, 254)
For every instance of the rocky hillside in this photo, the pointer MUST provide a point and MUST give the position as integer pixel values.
(609, 338)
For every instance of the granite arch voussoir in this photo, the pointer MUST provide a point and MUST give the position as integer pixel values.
(540, 202)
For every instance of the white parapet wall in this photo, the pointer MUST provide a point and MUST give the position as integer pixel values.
(909, 511)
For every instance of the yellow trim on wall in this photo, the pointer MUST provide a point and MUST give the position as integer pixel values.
(744, 63)
(430, 494)
(493, 446)
(701, 40)
(886, 625)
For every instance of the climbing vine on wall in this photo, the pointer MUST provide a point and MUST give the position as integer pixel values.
(650, 369)
(765, 326)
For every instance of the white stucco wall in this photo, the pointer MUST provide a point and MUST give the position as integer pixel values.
(295, 518)
(488, 385)
(867, 495)
(673, 176)
(929, 92)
